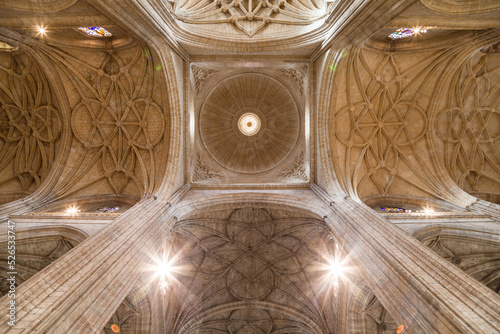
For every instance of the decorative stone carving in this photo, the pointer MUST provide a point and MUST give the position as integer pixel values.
(252, 318)
(479, 259)
(201, 171)
(200, 75)
(30, 124)
(381, 121)
(247, 15)
(298, 171)
(117, 121)
(297, 74)
(78, 215)
(469, 125)
(256, 94)
(39, 5)
(5, 47)
(249, 256)
(495, 48)
(457, 7)
(380, 319)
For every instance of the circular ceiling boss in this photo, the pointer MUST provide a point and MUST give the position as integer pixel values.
(249, 123)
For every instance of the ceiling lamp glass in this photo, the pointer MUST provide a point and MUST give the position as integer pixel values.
(249, 124)
(95, 31)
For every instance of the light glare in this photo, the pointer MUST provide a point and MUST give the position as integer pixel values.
(334, 273)
(164, 269)
(41, 30)
(335, 267)
(72, 210)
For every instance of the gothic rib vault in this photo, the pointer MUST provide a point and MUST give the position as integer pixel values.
(250, 144)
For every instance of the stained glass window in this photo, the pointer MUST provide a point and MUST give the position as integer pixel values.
(405, 33)
(110, 209)
(395, 210)
(95, 31)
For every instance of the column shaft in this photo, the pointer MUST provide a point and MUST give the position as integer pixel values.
(79, 292)
(417, 287)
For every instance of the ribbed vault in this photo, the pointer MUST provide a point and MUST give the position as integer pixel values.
(233, 267)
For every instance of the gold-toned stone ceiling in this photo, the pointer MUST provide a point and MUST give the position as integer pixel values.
(34, 250)
(249, 93)
(249, 16)
(134, 313)
(468, 127)
(461, 6)
(250, 269)
(117, 121)
(399, 126)
(30, 125)
(39, 6)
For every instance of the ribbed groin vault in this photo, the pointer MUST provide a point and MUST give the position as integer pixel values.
(250, 166)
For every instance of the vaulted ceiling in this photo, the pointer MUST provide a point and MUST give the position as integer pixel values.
(98, 121)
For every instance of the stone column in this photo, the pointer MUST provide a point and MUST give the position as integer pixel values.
(418, 288)
(79, 292)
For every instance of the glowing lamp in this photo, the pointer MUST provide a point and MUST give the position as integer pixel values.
(163, 269)
(335, 267)
(72, 210)
(41, 30)
(428, 211)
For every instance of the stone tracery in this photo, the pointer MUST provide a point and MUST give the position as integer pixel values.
(380, 123)
(381, 318)
(251, 255)
(245, 318)
(134, 313)
(461, 6)
(247, 312)
(250, 16)
(30, 124)
(34, 254)
(468, 126)
(117, 121)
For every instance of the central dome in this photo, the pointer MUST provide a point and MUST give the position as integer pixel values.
(249, 123)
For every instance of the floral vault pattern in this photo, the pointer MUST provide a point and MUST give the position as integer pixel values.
(117, 121)
(380, 123)
(251, 258)
(469, 126)
(30, 124)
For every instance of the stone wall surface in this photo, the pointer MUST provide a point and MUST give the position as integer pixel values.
(124, 153)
